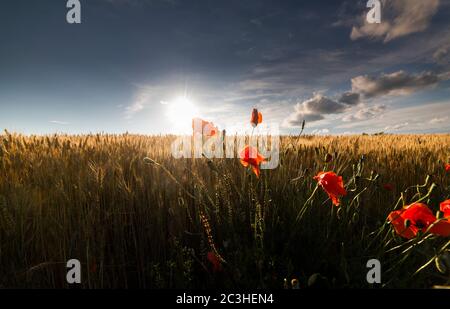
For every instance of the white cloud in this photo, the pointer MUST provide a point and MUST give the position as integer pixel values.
(320, 132)
(59, 122)
(439, 120)
(363, 87)
(137, 106)
(418, 117)
(396, 126)
(366, 113)
(144, 97)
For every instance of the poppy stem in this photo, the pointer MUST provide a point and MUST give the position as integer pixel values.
(171, 176)
(303, 209)
(433, 186)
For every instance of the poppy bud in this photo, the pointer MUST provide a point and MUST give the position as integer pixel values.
(256, 118)
(407, 223)
(328, 158)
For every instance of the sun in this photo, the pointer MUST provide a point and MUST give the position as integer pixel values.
(180, 113)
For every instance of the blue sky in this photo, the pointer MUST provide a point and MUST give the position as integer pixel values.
(125, 67)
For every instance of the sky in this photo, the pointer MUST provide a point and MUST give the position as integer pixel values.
(149, 66)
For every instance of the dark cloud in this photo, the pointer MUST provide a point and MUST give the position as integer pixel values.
(364, 86)
(350, 98)
(296, 119)
(320, 104)
(314, 109)
(442, 55)
(397, 83)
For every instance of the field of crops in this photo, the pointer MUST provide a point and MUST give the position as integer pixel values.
(197, 223)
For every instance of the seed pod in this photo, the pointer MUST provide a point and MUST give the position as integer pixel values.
(295, 284)
(442, 263)
(407, 223)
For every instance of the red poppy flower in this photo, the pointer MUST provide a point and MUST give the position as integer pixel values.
(416, 218)
(204, 127)
(333, 185)
(250, 157)
(388, 187)
(445, 208)
(256, 118)
(447, 167)
(215, 262)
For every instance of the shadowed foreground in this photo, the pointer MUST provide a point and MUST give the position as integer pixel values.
(152, 224)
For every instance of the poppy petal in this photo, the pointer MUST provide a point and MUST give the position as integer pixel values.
(441, 228)
(244, 163)
(334, 199)
(445, 208)
(398, 222)
(333, 185)
(256, 170)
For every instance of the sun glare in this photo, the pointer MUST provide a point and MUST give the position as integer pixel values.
(180, 113)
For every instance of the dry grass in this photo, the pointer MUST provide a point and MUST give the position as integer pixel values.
(138, 224)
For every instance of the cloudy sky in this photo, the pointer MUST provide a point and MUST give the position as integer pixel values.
(145, 66)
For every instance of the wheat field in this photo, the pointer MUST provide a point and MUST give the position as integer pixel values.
(152, 223)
